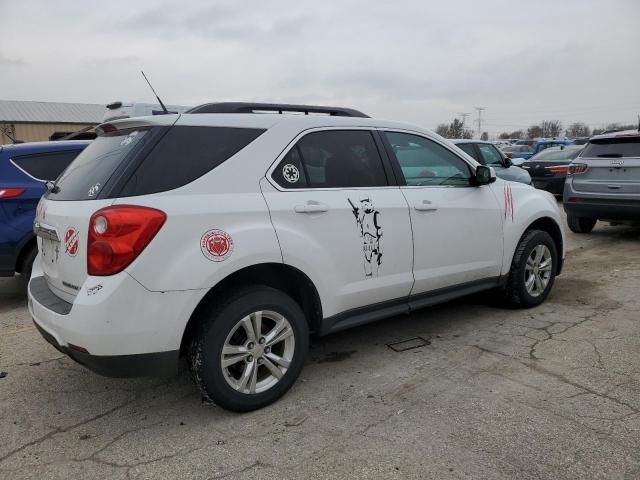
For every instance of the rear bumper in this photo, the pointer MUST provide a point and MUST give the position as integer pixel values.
(553, 185)
(603, 209)
(114, 326)
(121, 366)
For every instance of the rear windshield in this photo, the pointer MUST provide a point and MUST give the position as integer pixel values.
(87, 175)
(555, 155)
(45, 166)
(613, 148)
(148, 160)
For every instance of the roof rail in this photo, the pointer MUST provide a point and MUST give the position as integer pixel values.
(245, 107)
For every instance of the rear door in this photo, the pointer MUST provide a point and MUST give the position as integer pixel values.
(339, 218)
(613, 168)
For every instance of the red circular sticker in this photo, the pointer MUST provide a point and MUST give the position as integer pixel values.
(216, 245)
(71, 242)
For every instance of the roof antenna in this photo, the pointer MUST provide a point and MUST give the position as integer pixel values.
(154, 92)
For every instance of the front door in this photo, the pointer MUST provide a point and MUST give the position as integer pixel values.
(457, 227)
(338, 219)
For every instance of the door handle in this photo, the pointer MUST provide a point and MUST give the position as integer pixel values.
(425, 206)
(311, 207)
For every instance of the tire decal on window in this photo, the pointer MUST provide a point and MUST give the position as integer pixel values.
(508, 202)
(368, 223)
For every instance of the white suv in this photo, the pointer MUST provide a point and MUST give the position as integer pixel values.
(226, 238)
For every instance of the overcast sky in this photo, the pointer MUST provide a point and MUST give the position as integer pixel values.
(419, 61)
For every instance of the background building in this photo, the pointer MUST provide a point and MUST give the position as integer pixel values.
(23, 121)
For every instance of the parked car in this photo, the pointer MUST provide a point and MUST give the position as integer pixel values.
(538, 147)
(486, 153)
(603, 183)
(548, 169)
(24, 170)
(515, 151)
(270, 226)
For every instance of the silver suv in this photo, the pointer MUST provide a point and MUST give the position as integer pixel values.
(603, 183)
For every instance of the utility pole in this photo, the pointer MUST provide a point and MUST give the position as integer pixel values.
(464, 116)
(479, 110)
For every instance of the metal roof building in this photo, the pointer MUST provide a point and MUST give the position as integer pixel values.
(25, 121)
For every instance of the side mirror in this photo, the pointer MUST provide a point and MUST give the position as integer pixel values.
(507, 162)
(484, 175)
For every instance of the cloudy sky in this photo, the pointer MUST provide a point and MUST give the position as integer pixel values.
(420, 61)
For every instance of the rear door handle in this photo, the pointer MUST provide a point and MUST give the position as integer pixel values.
(425, 206)
(311, 207)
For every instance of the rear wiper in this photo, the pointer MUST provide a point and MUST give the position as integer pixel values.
(52, 187)
(610, 155)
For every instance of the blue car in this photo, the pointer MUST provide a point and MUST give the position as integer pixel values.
(24, 170)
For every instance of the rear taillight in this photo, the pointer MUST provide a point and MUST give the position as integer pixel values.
(558, 169)
(11, 192)
(509, 154)
(577, 168)
(118, 234)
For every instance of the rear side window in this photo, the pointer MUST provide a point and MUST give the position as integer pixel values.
(621, 147)
(186, 153)
(45, 166)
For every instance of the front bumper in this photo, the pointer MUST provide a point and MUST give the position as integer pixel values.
(119, 329)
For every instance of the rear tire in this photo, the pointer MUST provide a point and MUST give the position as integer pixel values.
(532, 272)
(249, 350)
(580, 224)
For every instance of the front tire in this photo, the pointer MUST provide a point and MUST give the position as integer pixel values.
(533, 270)
(581, 224)
(249, 350)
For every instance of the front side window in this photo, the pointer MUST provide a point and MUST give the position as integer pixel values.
(490, 155)
(424, 162)
(332, 159)
(45, 166)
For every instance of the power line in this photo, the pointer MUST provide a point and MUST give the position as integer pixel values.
(464, 116)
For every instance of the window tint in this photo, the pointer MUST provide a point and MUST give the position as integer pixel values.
(613, 148)
(469, 149)
(555, 155)
(424, 162)
(341, 159)
(290, 173)
(184, 154)
(490, 154)
(45, 166)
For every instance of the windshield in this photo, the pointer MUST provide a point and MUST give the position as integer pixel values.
(619, 147)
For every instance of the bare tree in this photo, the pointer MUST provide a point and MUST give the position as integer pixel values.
(518, 134)
(504, 136)
(578, 129)
(534, 131)
(484, 136)
(443, 130)
(468, 134)
(551, 128)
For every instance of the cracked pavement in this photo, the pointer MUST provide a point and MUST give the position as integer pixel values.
(550, 392)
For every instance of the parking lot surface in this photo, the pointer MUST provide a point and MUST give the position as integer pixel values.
(551, 392)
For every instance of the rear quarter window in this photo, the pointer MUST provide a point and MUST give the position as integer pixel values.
(184, 154)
